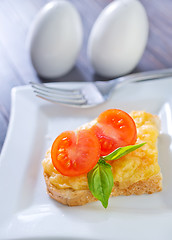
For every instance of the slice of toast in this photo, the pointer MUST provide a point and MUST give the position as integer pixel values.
(136, 173)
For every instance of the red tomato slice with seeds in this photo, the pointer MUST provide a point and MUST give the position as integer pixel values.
(114, 128)
(77, 153)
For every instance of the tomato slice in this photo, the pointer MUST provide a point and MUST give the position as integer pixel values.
(75, 153)
(114, 128)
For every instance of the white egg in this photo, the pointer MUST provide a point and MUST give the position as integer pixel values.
(118, 38)
(55, 39)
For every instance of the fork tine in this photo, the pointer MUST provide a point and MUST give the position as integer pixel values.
(63, 93)
(54, 90)
(57, 99)
(67, 95)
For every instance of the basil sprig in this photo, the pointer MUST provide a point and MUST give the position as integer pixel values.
(122, 151)
(100, 181)
(100, 178)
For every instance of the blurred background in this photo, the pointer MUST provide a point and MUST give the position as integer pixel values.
(15, 66)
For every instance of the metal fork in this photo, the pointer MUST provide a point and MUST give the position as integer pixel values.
(94, 93)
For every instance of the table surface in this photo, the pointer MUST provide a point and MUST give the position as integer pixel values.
(15, 67)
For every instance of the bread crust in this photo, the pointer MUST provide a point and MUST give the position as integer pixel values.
(72, 197)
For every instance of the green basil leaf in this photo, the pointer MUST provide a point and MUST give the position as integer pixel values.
(120, 152)
(100, 181)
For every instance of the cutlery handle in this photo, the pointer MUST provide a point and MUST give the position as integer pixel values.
(143, 76)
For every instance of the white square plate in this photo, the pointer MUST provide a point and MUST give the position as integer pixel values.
(27, 212)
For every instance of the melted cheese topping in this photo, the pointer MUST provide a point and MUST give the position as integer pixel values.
(138, 165)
